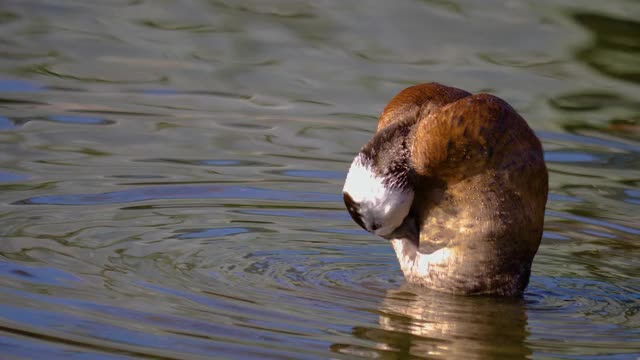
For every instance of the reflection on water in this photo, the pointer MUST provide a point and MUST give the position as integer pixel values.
(170, 178)
(418, 323)
(616, 46)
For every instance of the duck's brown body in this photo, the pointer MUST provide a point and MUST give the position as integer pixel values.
(480, 191)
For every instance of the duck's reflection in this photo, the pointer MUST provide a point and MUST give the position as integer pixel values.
(418, 323)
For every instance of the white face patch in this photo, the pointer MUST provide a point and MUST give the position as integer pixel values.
(381, 208)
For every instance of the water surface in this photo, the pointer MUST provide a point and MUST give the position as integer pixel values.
(170, 177)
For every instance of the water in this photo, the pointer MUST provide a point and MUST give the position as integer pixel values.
(170, 177)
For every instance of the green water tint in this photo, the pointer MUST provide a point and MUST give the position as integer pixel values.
(170, 178)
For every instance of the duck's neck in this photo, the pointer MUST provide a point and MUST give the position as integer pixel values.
(430, 270)
(445, 270)
(469, 249)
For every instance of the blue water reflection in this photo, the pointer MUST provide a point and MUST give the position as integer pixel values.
(17, 85)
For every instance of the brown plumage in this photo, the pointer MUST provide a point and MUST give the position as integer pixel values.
(480, 192)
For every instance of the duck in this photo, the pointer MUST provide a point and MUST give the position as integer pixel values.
(458, 184)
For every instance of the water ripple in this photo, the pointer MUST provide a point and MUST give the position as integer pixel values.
(179, 192)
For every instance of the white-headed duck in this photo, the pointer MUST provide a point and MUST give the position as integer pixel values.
(457, 182)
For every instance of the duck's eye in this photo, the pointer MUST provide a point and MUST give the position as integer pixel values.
(353, 209)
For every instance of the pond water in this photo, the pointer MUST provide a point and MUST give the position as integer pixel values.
(171, 171)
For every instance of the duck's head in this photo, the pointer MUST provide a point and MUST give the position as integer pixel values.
(458, 183)
(379, 187)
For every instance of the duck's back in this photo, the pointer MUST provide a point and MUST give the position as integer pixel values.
(481, 192)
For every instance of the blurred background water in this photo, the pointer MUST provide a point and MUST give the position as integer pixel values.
(170, 177)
